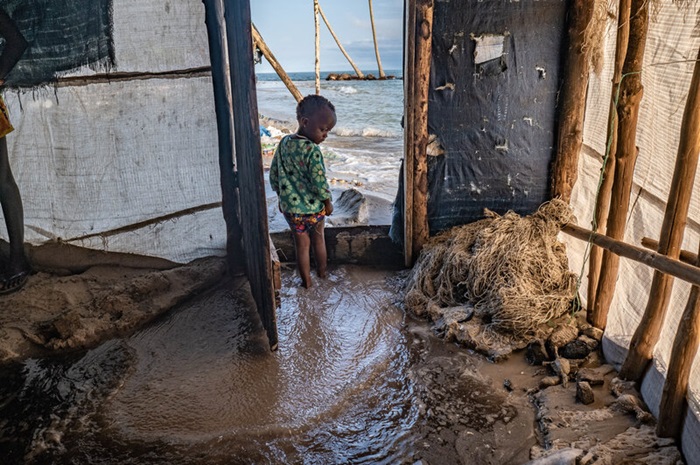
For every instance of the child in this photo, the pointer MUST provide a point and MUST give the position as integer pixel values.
(298, 175)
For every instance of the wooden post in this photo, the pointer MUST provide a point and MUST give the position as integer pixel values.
(572, 112)
(647, 334)
(631, 91)
(680, 270)
(376, 46)
(317, 65)
(340, 46)
(260, 43)
(251, 181)
(607, 171)
(674, 403)
(216, 30)
(409, 121)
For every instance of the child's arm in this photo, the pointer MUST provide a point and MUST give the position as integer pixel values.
(319, 182)
(328, 206)
(15, 45)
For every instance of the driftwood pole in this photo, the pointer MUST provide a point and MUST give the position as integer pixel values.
(603, 198)
(256, 238)
(340, 46)
(647, 334)
(674, 403)
(570, 134)
(260, 43)
(409, 122)
(631, 91)
(221, 82)
(376, 47)
(317, 48)
(416, 127)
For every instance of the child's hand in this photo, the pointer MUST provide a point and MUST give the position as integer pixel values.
(328, 206)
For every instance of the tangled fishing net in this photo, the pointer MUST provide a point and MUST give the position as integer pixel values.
(498, 279)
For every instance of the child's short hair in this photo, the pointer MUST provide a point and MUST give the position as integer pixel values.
(311, 103)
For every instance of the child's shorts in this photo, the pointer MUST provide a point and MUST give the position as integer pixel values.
(5, 125)
(304, 223)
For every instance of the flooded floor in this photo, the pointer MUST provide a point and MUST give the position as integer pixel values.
(354, 381)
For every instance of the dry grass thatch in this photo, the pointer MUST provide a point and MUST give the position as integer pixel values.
(511, 269)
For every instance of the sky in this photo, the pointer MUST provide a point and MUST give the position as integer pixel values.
(287, 27)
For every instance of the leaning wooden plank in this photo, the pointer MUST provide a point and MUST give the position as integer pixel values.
(270, 57)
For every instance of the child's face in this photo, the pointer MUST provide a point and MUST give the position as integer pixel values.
(317, 126)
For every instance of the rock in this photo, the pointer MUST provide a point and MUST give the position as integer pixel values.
(535, 353)
(584, 393)
(508, 384)
(592, 343)
(594, 333)
(592, 377)
(619, 387)
(562, 335)
(560, 457)
(561, 367)
(576, 349)
(351, 208)
(548, 381)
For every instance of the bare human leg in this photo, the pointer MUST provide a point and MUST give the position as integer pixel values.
(302, 244)
(13, 212)
(318, 242)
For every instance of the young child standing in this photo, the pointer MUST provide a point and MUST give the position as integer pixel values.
(298, 176)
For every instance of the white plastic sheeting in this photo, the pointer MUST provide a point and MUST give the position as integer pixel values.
(668, 66)
(91, 159)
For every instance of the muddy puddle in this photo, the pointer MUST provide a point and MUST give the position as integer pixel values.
(354, 381)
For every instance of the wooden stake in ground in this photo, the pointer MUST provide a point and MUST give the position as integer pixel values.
(603, 198)
(317, 65)
(409, 120)
(570, 134)
(340, 46)
(267, 53)
(674, 402)
(631, 91)
(421, 34)
(376, 47)
(647, 334)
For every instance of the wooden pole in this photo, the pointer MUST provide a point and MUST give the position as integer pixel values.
(317, 48)
(424, 41)
(409, 134)
(340, 46)
(573, 94)
(602, 207)
(680, 270)
(251, 181)
(376, 47)
(631, 91)
(267, 53)
(686, 256)
(674, 403)
(221, 82)
(647, 334)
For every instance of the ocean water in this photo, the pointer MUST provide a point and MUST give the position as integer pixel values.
(366, 145)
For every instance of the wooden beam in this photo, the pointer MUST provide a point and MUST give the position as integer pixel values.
(602, 207)
(409, 134)
(631, 91)
(573, 100)
(686, 256)
(317, 49)
(376, 46)
(674, 402)
(340, 46)
(267, 53)
(647, 334)
(680, 270)
(218, 53)
(248, 154)
(424, 41)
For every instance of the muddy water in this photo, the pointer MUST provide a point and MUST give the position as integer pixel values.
(199, 386)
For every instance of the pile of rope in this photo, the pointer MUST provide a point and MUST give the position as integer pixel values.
(512, 270)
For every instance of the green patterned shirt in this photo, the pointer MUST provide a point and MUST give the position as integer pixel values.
(298, 175)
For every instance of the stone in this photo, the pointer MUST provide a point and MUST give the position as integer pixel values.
(584, 393)
(592, 377)
(548, 381)
(594, 333)
(576, 349)
(535, 353)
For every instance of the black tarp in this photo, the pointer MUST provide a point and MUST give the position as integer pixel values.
(63, 35)
(494, 113)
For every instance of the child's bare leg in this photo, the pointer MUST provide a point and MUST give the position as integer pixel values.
(12, 210)
(318, 242)
(302, 244)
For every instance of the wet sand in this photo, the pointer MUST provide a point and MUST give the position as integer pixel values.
(188, 378)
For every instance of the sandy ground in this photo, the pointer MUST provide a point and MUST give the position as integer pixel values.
(79, 298)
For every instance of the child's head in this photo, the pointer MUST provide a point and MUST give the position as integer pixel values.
(316, 117)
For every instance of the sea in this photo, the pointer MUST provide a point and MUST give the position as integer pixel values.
(366, 146)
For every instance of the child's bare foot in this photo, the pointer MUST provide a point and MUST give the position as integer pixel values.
(305, 283)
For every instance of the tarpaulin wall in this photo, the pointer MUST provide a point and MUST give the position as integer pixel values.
(670, 55)
(98, 161)
(492, 105)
